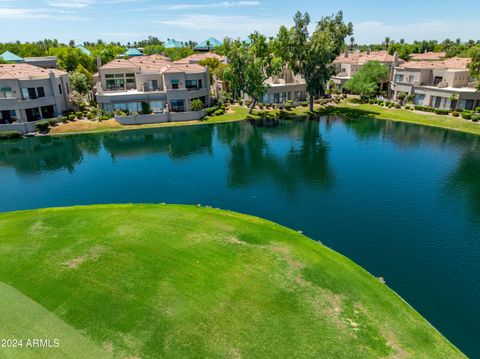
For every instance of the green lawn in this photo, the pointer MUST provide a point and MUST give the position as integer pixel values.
(421, 118)
(172, 281)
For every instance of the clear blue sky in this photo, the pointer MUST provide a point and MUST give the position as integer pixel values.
(129, 20)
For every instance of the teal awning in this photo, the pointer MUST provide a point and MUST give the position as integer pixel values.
(175, 82)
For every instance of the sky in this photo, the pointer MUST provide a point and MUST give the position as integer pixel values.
(197, 20)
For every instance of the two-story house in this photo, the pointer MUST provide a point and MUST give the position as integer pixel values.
(349, 63)
(445, 84)
(124, 84)
(286, 86)
(29, 93)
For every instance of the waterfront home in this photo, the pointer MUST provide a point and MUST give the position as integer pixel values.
(285, 86)
(151, 81)
(444, 84)
(29, 93)
(349, 63)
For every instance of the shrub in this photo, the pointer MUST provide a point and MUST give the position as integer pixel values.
(268, 105)
(439, 111)
(42, 126)
(104, 118)
(397, 105)
(248, 103)
(52, 122)
(466, 115)
(7, 135)
(475, 117)
(89, 116)
(211, 110)
(71, 117)
(219, 112)
(196, 105)
(424, 108)
(64, 119)
(455, 114)
(79, 115)
(477, 110)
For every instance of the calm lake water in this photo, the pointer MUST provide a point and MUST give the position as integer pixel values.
(401, 200)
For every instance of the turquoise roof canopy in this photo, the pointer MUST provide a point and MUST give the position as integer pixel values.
(133, 52)
(11, 57)
(209, 44)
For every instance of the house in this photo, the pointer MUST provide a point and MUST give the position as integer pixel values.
(286, 86)
(444, 84)
(164, 86)
(29, 93)
(349, 63)
(208, 45)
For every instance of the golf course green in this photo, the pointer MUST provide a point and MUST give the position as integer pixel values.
(173, 281)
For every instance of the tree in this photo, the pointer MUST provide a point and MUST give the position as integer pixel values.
(212, 63)
(153, 49)
(251, 65)
(387, 42)
(365, 81)
(80, 83)
(352, 43)
(474, 65)
(313, 56)
(82, 70)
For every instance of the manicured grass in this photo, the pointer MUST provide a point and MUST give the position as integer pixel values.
(173, 281)
(421, 118)
(234, 113)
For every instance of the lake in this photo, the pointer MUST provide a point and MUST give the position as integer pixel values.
(401, 200)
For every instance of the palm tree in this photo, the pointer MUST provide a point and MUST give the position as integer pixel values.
(387, 42)
(352, 43)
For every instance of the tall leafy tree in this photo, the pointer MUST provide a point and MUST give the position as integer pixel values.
(474, 65)
(312, 55)
(365, 81)
(250, 65)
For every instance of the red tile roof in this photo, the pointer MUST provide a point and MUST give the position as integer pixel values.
(453, 63)
(428, 56)
(360, 58)
(24, 71)
(153, 63)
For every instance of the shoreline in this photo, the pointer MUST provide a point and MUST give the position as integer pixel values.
(240, 113)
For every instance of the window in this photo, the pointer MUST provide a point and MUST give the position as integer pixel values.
(60, 89)
(40, 92)
(437, 80)
(191, 85)
(200, 84)
(109, 76)
(116, 84)
(6, 92)
(152, 85)
(47, 111)
(120, 106)
(156, 106)
(133, 107)
(469, 105)
(411, 78)
(276, 98)
(177, 105)
(174, 84)
(398, 78)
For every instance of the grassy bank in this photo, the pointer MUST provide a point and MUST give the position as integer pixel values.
(402, 115)
(170, 281)
(234, 113)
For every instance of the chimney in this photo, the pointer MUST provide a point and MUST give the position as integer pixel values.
(368, 51)
(346, 53)
(99, 62)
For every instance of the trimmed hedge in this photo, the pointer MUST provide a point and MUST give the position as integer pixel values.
(424, 108)
(8, 135)
(466, 115)
(439, 111)
(210, 111)
(42, 126)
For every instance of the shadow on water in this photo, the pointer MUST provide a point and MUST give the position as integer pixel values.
(252, 160)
